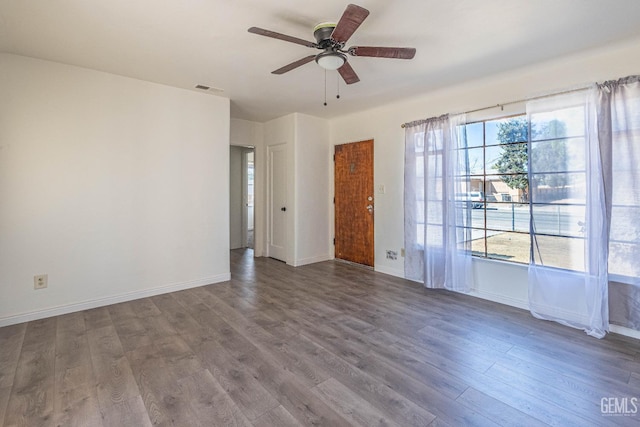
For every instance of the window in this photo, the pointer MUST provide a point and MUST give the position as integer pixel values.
(499, 194)
(496, 200)
(558, 187)
(624, 238)
(433, 216)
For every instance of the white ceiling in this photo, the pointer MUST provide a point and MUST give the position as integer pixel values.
(187, 42)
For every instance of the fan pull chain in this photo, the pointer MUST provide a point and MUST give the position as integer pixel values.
(338, 85)
(325, 87)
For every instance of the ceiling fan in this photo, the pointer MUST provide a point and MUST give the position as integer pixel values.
(331, 39)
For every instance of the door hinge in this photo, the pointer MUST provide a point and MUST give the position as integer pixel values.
(334, 241)
(334, 200)
(334, 157)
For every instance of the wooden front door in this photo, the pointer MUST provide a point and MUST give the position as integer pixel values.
(354, 202)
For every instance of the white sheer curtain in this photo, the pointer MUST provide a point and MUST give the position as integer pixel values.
(618, 112)
(569, 171)
(437, 233)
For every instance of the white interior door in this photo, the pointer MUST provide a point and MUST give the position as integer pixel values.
(277, 202)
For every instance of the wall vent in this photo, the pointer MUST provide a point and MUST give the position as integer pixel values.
(209, 88)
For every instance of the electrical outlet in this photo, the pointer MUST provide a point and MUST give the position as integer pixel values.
(381, 189)
(40, 281)
(392, 254)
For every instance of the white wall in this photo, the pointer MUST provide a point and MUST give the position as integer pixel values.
(114, 187)
(312, 186)
(308, 185)
(494, 280)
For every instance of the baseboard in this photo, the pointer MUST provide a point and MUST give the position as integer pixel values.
(101, 302)
(390, 271)
(502, 299)
(513, 302)
(311, 260)
(622, 330)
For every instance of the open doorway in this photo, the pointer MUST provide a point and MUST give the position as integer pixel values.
(250, 166)
(241, 197)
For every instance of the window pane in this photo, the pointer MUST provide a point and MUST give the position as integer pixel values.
(420, 168)
(624, 245)
(434, 235)
(419, 207)
(508, 217)
(559, 220)
(625, 224)
(464, 238)
(506, 158)
(560, 252)
(418, 142)
(558, 155)
(477, 217)
(434, 213)
(475, 136)
(568, 122)
(434, 141)
(623, 259)
(625, 183)
(478, 243)
(508, 246)
(506, 188)
(558, 187)
(475, 159)
(513, 129)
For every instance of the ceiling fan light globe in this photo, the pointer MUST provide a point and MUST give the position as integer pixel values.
(331, 60)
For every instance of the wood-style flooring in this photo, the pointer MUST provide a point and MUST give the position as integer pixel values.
(326, 344)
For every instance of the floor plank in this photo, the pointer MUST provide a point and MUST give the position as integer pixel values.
(75, 395)
(350, 405)
(246, 391)
(129, 412)
(162, 397)
(493, 409)
(31, 400)
(4, 401)
(277, 417)
(115, 381)
(212, 404)
(10, 345)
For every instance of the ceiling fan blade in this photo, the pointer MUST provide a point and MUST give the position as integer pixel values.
(294, 65)
(348, 74)
(274, 35)
(351, 19)
(383, 52)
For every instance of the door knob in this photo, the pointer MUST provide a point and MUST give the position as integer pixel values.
(283, 209)
(370, 208)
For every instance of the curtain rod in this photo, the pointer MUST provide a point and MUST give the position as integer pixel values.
(416, 122)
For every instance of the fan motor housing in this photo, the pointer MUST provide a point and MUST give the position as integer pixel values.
(322, 32)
